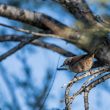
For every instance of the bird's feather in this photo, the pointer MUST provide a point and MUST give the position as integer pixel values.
(76, 59)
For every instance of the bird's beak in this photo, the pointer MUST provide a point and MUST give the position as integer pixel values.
(62, 65)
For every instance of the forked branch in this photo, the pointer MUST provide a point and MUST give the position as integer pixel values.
(68, 98)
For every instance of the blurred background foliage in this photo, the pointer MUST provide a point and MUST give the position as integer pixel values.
(26, 76)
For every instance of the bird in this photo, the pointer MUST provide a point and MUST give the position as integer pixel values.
(82, 63)
(78, 64)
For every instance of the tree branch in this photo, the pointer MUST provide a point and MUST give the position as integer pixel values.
(80, 9)
(37, 42)
(91, 86)
(25, 16)
(36, 19)
(86, 101)
(98, 81)
(87, 82)
(29, 32)
(94, 36)
(16, 48)
(69, 99)
(53, 47)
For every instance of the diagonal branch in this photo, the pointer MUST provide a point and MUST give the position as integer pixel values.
(36, 42)
(87, 82)
(80, 9)
(15, 49)
(37, 19)
(74, 80)
(28, 31)
(25, 16)
(98, 81)
(53, 47)
(94, 35)
(91, 86)
(38, 35)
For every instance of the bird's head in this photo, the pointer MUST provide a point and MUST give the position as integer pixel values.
(66, 62)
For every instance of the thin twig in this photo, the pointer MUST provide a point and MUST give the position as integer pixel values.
(91, 86)
(98, 81)
(86, 102)
(100, 71)
(50, 86)
(30, 32)
(16, 48)
(85, 84)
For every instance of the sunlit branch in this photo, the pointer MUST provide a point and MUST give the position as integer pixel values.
(86, 100)
(91, 86)
(29, 32)
(68, 98)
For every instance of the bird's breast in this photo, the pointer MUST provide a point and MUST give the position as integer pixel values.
(82, 66)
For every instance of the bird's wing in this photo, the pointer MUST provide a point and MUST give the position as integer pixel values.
(76, 59)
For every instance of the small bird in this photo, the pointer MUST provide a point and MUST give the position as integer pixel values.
(79, 64)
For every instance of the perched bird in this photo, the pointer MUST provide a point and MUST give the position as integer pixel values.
(79, 64)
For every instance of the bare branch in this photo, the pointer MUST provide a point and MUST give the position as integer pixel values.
(43, 44)
(98, 81)
(37, 42)
(29, 32)
(80, 9)
(86, 101)
(36, 19)
(28, 17)
(91, 86)
(94, 36)
(16, 48)
(85, 84)
(53, 25)
(74, 80)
